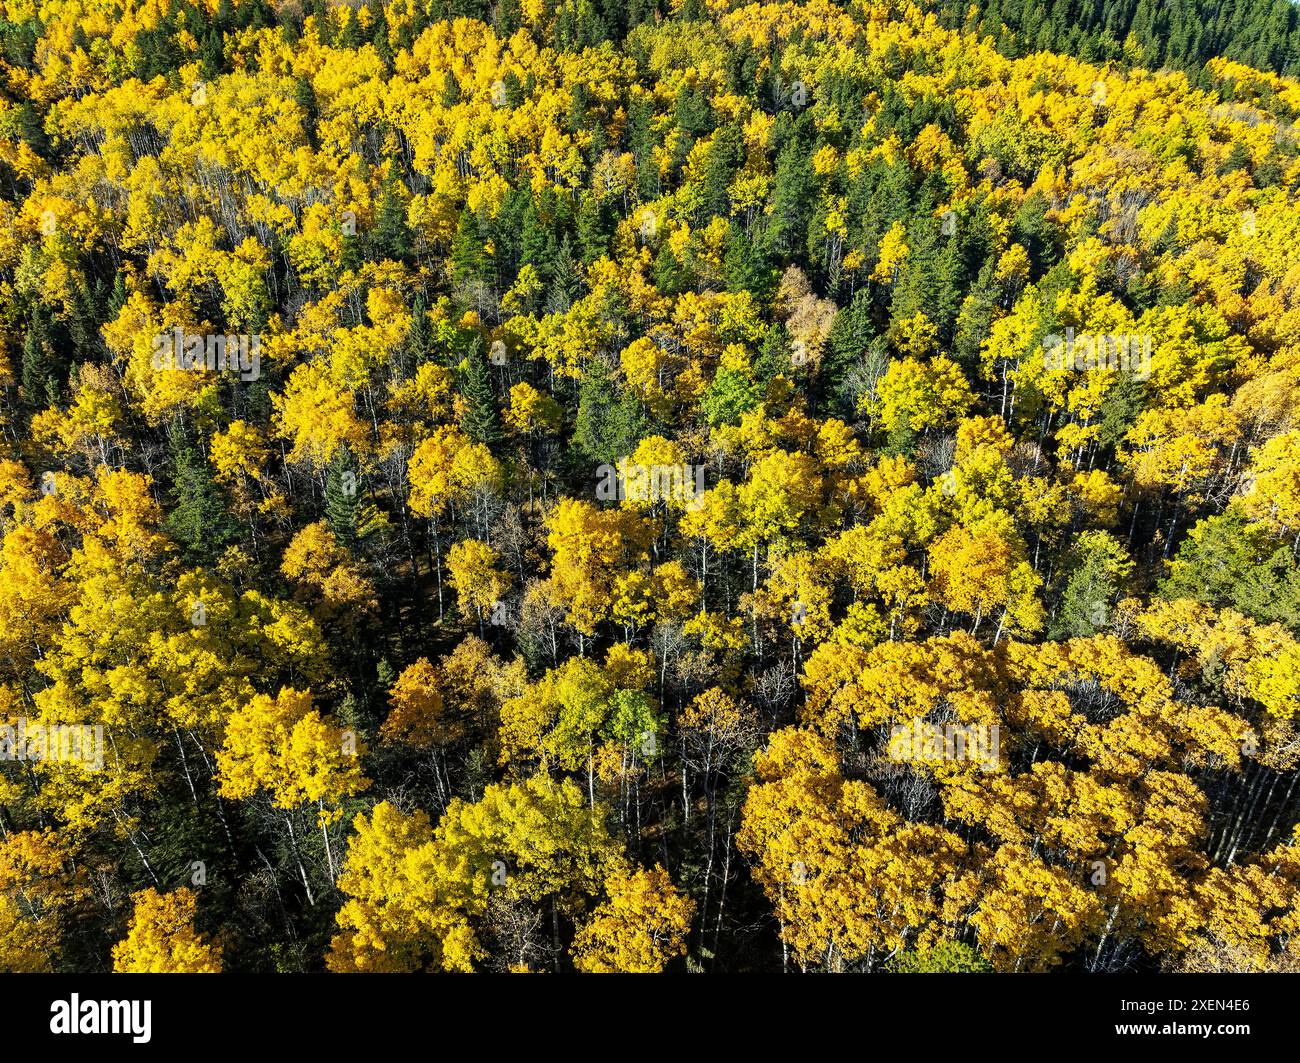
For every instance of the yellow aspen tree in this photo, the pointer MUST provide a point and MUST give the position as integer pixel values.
(638, 928)
(161, 938)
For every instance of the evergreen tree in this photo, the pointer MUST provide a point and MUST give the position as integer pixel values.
(671, 275)
(305, 95)
(84, 318)
(343, 497)
(392, 237)
(566, 280)
(198, 518)
(609, 421)
(595, 228)
(350, 36)
(482, 422)
(470, 262)
(31, 128)
(1099, 565)
(212, 56)
(450, 90)
(40, 368)
(117, 297)
(746, 268)
(793, 191)
(726, 153)
(509, 17)
(418, 347)
(851, 332)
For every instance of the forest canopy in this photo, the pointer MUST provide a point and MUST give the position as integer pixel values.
(626, 487)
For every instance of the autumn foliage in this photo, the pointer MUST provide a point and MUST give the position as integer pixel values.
(722, 487)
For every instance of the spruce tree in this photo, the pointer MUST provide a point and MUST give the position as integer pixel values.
(118, 298)
(450, 90)
(566, 280)
(392, 237)
(84, 322)
(534, 240)
(46, 345)
(746, 268)
(793, 191)
(37, 371)
(594, 229)
(351, 35)
(343, 497)
(31, 128)
(609, 421)
(469, 259)
(482, 420)
(726, 153)
(212, 55)
(418, 348)
(509, 17)
(197, 519)
(305, 95)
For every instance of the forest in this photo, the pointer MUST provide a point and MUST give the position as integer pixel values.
(1182, 34)
(646, 486)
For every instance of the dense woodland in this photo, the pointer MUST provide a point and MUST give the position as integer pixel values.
(1181, 34)
(390, 680)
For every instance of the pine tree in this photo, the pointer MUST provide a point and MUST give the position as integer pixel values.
(726, 153)
(392, 237)
(383, 47)
(84, 321)
(197, 518)
(42, 368)
(509, 18)
(469, 259)
(31, 128)
(566, 280)
(609, 421)
(792, 192)
(594, 229)
(450, 90)
(118, 298)
(305, 95)
(536, 245)
(351, 253)
(851, 332)
(418, 348)
(350, 37)
(671, 276)
(746, 268)
(212, 55)
(693, 117)
(324, 17)
(482, 421)
(342, 497)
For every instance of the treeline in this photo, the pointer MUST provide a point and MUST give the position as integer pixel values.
(1156, 34)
